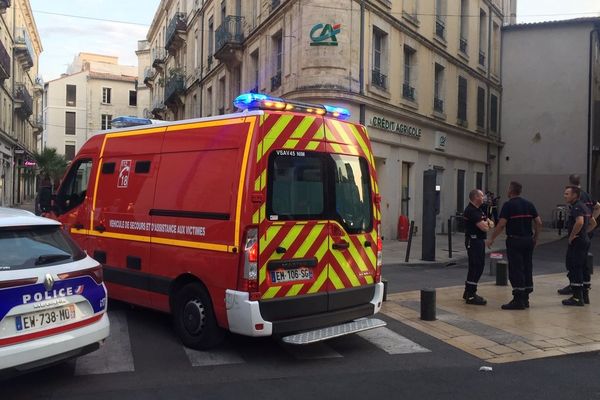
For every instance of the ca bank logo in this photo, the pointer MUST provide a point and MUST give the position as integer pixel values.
(324, 34)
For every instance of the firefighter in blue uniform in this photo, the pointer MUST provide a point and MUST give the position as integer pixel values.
(476, 227)
(517, 216)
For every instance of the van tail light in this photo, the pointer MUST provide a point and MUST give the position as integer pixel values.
(248, 281)
(95, 273)
(379, 254)
(17, 282)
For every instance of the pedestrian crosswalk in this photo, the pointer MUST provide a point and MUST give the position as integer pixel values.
(117, 355)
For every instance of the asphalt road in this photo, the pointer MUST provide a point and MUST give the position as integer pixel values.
(145, 361)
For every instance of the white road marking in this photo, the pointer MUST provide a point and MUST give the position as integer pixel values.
(212, 357)
(391, 342)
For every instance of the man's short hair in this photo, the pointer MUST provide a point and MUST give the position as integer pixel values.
(473, 193)
(515, 188)
(575, 179)
(574, 189)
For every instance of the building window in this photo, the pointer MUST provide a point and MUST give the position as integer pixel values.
(479, 180)
(221, 95)
(209, 100)
(223, 11)
(440, 19)
(255, 71)
(410, 8)
(106, 95)
(133, 98)
(71, 95)
(70, 123)
(462, 101)
(481, 107)
(494, 113)
(105, 123)
(277, 46)
(495, 50)
(211, 34)
(410, 71)
(378, 78)
(69, 151)
(482, 36)
(438, 90)
(464, 25)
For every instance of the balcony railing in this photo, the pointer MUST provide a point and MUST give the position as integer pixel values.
(149, 73)
(408, 92)
(158, 57)
(275, 4)
(38, 123)
(177, 25)
(440, 28)
(174, 87)
(276, 81)
(229, 33)
(24, 100)
(209, 62)
(23, 49)
(481, 57)
(4, 63)
(4, 4)
(438, 105)
(378, 79)
(158, 106)
(463, 45)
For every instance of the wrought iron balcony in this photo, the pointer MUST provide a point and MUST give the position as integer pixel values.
(463, 45)
(378, 79)
(276, 81)
(209, 62)
(440, 28)
(408, 92)
(229, 37)
(174, 87)
(481, 57)
(24, 102)
(158, 106)
(4, 4)
(438, 105)
(4, 63)
(38, 123)
(149, 74)
(23, 49)
(158, 58)
(175, 30)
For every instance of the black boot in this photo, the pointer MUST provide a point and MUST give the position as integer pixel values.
(586, 295)
(475, 299)
(516, 303)
(526, 299)
(566, 290)
(576, 299)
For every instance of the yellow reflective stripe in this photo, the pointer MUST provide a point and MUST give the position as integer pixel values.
(357, 257)
(340, 131)
(360, 142)
(346, 268)
(263, 179)
(169, 242)
(320, 133)
(334, 278)
(290, 144)
(274, 133)
(257, 184)
(337, 148)
(320, 281)
(312, 145)
(370, 251)
(238, 209)
(328, 134)
(294, 290)
(256, 216)
(310, 240)
(289, 239)
(267, 237)
(263, 118)
(369, 279)
(80, 231)
(271, 292)
(262, 210)
(352, 149)
(300, 131)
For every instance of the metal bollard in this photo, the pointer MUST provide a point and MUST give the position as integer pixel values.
(493, 263)
(501, 273)
(428, 304)
(385, 288)
(590, 263)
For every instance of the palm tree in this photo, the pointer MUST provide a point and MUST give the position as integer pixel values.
(51, 165)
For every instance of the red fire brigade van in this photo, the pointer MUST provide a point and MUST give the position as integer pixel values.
(263, 222)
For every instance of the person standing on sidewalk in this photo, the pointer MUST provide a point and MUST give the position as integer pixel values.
(517, 216)
(476, 226)
(577, 226)
(594, 207)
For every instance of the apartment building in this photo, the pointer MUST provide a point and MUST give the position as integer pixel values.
(422, 75)
(84, 100)
(20, 95)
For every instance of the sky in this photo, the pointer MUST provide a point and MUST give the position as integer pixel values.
(113, 27)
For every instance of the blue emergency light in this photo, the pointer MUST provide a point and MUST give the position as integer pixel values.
(123, 122)
(259, 101)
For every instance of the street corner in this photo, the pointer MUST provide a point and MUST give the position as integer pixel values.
(494, 335)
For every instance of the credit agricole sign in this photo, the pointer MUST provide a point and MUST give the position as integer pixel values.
(324, 34)
(395, 127)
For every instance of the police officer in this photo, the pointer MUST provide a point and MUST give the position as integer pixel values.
(517, 215)
(577, 226)
(594, 207)
(476, 226)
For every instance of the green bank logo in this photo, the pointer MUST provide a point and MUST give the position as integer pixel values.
(324, 34)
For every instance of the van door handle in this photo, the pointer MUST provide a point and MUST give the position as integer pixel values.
(340, 245)
(100, 228)
(78, 226)
(367, 243)
(280, 250)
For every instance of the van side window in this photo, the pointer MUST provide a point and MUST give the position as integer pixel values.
(108, 168)
(142, 167)
(74, 188)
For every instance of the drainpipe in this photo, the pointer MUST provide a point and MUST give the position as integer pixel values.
(361, 71)
(596, 31)
(201, 16)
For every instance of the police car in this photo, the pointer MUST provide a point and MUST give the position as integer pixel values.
(52, 295)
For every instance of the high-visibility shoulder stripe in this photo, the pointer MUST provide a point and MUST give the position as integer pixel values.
(521, 216)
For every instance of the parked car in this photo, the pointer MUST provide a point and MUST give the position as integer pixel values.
(52, 296)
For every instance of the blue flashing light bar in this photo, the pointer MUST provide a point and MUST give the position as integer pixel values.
(259, 101)
(124, 122)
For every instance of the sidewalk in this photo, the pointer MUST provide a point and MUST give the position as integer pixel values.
(394, 251)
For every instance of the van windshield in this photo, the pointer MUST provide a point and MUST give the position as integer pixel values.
(310, 185)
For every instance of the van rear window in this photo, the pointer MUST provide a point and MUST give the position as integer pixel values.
(310, 185)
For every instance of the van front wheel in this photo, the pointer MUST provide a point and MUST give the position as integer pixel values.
(194, 318)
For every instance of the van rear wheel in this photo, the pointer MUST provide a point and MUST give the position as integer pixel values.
(194, 318)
